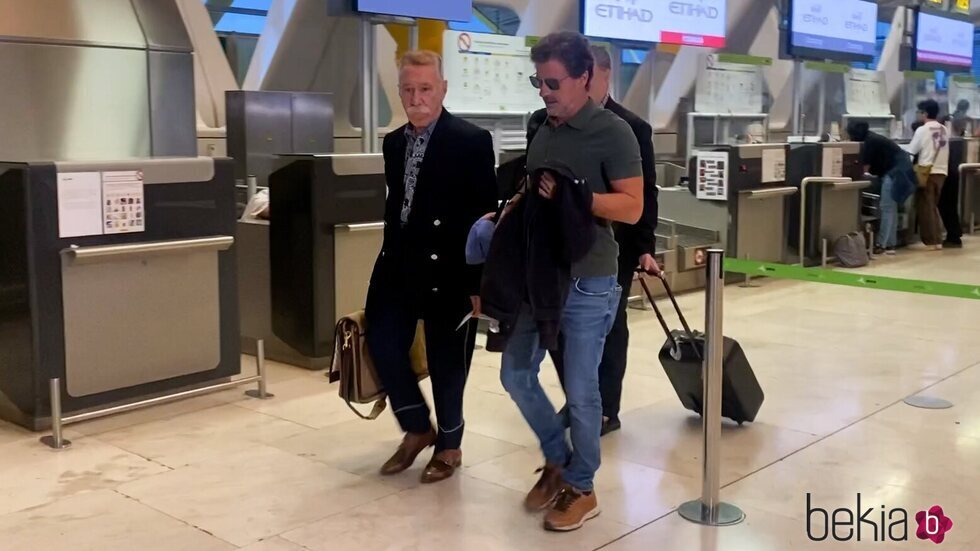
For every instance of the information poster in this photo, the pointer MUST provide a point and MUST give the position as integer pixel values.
(865, 93)
(79, 204)
(712, 175)
(122, 196)
(773, 165)
(724, 87)
(100, 203)
(488, 73)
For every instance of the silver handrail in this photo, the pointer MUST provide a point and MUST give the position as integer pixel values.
(807, 181)
(57, 440)
(754, 194)
(845, 186)
(90, 254)
(362, 227)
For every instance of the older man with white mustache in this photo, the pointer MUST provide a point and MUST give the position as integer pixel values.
(441, 179)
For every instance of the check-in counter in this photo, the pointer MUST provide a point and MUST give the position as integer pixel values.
(736, 199)
(116, 277)
(966, 180)
(325, 232)
(830, 179)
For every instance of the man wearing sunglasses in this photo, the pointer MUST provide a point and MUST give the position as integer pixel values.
(600, 148)
(636, 242)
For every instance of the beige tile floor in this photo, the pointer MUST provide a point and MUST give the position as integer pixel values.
(299, 471)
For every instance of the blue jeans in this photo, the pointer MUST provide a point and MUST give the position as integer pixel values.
(589, 314)
(888, 207)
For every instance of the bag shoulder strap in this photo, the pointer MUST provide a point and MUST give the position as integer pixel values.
(376, 410)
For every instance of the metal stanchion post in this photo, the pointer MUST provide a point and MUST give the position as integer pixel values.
(748, 278)
(252, 186)
(55, 440)
(709, 510)
(260, 393)
(823, 253)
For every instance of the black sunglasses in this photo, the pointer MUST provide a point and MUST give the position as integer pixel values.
(553, 84)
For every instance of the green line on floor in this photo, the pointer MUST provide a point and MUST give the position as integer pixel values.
(849, 279)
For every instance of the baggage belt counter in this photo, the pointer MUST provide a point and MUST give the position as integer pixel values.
(116, 277)
(736, 198)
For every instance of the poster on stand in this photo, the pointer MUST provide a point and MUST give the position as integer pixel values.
(865, 93)
(488, 74)
(727, 87)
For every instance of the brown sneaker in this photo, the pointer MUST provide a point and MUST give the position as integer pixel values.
(571, 510)
(410, 448)
(544, 492)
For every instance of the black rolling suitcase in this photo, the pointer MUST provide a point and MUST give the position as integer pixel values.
(681, 356)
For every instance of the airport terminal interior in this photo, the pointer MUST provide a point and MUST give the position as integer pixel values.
(193, 201)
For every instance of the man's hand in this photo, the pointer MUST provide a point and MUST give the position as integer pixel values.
(476, 305)
(649, 265)
(547, 186)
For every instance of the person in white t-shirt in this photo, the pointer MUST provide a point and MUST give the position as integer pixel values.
(931, 144)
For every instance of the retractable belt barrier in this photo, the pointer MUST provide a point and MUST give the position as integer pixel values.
(881, 283)
(863, 281)
(709, 509)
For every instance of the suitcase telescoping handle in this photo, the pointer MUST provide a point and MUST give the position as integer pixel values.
(660, 316)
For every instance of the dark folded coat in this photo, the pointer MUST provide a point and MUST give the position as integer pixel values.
(531, 255)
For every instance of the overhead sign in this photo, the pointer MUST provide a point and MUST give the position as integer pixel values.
(446, 10)
(833, 29)
(684, 22)
(943, 42)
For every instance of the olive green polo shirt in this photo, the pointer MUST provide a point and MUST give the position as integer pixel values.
(599, 147)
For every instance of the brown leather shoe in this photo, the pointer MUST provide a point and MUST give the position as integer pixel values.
(442, 466)
(571, 510)
(544, 492)
(410, 448)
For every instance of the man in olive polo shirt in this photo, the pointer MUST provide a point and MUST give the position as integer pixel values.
(599, 147)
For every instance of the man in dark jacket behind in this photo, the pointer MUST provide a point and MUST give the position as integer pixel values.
(440, 176)
(636, 241)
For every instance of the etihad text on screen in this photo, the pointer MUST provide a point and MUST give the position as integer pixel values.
(837, 26)
(686, 22)
(944, 41)
(447, 10)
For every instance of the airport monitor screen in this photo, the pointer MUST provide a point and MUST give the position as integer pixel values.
(839, 30)
(943, 43)
(446, 10)
(683, 22)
